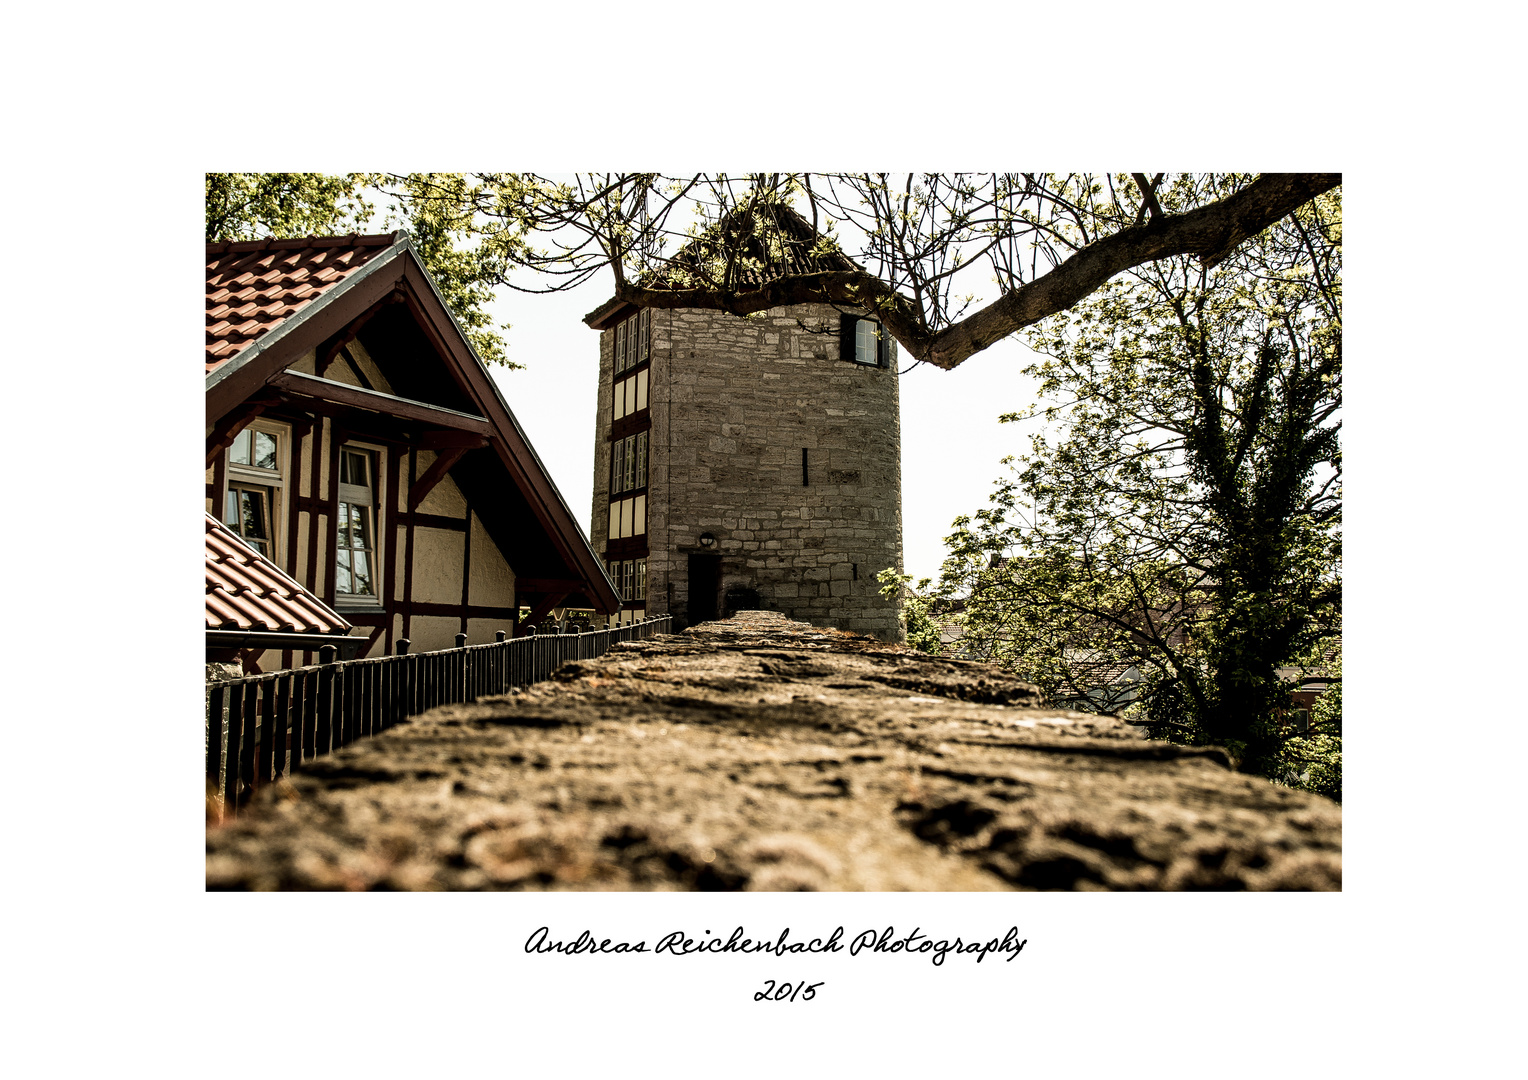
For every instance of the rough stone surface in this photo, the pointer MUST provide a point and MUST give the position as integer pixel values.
(763, 754)
(733, 402)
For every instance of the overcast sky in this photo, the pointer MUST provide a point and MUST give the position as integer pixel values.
(951, 439)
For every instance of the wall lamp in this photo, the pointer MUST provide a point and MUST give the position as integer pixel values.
(707, 540)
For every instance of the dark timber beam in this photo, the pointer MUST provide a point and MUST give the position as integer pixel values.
(549, 585)
(443, 440)
(228, 428)
(539, 612)
(433, 475)
(311, 386)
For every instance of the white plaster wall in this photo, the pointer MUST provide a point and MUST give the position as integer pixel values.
(493, 581)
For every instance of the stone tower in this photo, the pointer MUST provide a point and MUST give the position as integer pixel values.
(748, 463)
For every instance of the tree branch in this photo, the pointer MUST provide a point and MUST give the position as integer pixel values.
(1148, 196)
(1211, 232)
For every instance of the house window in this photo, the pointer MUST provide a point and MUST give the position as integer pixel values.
(248, 513)
(866, 341)
(256, 480)
(355, 549)
(254, 449)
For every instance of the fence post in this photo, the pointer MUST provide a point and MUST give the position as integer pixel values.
(279, 755)
(323, 716)
(400, 688)
(348, 695)
(215, 735)
(309, 712)
(359, 678)
(299, 718)
(459, 671)
(370, 684)
(247, 743)
(267, 745)
(235, 749)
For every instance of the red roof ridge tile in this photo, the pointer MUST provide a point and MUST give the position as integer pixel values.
(297, 243)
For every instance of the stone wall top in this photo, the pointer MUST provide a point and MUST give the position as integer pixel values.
(764, 754)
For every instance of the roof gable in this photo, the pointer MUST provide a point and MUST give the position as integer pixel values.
(304, 293)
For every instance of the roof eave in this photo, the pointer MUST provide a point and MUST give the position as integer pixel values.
(348, 645)
(607, 314)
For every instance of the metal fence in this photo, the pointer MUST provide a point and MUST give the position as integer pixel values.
(263, 727)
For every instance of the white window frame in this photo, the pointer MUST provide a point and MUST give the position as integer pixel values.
(867, 342)
(275, 481)
(628, 463)
(630, 579)
(347, 601)
(632, 341)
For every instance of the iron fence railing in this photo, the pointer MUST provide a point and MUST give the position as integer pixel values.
(263, 727)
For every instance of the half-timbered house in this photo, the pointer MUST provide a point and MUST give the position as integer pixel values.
(355, 439)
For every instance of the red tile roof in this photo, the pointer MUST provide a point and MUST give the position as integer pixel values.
(246, 591)
(254, 285)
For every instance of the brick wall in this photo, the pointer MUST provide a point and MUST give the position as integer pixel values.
(733, 403)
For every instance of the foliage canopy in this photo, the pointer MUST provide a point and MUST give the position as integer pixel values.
(468, 231)
(950, 263)
(1177, 538)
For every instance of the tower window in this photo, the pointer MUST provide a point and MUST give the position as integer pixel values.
(628, 463)
(866, 341)
(632, 338)
(629, 576)
(629, 395)
(628, 517)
